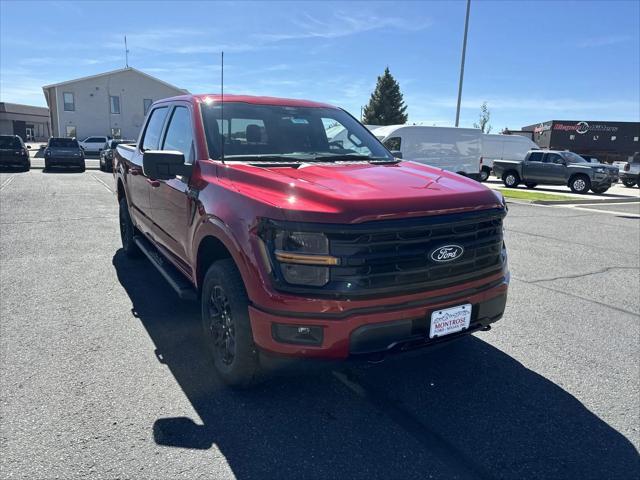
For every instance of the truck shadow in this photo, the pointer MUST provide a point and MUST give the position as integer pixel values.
(486, 411)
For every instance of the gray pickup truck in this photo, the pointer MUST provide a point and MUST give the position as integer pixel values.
(552, 167)
(630, 175)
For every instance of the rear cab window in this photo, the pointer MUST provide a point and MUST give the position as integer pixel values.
(63, 143)
(10, 142)
(393, 143)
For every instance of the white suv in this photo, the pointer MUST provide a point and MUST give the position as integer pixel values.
(94, 144)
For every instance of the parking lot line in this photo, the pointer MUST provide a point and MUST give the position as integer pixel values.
(7, 181)
(103, 183)
(610, 212)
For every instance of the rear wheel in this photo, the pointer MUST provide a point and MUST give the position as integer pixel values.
(628, 183)
(510, 179)
(580, 184)
(226, 325)
(599, 190)
(484, 174)
(530, 185)
(127, 231)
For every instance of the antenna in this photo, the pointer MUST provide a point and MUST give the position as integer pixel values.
(222, 106)
(126, 53)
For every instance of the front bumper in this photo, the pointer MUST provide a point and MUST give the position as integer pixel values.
(629, 176)
(382, 329)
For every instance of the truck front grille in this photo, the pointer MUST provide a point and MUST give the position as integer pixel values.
(396, 256)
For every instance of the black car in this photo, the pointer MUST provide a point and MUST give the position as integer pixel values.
(63, 152)
(106, 154)
(14, 153)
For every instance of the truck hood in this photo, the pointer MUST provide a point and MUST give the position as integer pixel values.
(359, 192)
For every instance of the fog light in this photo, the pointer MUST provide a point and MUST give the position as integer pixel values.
(297, 334)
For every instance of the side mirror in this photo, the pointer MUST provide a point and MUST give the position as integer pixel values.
(164, 164)
(396, 153)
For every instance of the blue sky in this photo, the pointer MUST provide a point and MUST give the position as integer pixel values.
(531, 61)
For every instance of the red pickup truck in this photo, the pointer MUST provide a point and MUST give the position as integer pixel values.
(302, 236)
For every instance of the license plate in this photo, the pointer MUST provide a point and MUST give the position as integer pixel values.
(450, 320)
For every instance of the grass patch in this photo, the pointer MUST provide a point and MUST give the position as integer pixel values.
(531, 195)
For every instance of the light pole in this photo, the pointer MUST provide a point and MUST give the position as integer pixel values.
(464, 51)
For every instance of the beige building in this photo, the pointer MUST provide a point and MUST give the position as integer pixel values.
(112, 103)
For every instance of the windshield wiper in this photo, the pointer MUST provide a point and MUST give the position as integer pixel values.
(270, 157)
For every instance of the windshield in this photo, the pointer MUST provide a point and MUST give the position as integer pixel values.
(10, 142)
(573, 157)
(63, 143)
(267, 132)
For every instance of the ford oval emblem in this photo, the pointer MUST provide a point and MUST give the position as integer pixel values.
(447, 253)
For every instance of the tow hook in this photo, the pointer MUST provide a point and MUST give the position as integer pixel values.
(486, 329)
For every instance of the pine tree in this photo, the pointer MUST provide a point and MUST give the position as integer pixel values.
(386, 106)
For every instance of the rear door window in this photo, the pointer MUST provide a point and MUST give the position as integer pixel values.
(553, 158)
(535, 157)
(152, 133)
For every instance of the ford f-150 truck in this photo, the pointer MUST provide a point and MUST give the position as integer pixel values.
(553, 167)
(297, 245)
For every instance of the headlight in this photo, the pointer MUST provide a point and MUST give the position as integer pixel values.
(302, 257)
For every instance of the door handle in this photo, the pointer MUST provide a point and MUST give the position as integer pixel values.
(153, 183)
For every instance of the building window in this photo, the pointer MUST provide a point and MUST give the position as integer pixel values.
(613, 138)
(116, 132)
(70, 131)
(69, 102)
(572, 137)
(146, 105)
(115, 104)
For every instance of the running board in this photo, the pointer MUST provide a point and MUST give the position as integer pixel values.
(177, 281)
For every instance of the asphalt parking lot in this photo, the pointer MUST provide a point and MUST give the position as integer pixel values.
(103, 374)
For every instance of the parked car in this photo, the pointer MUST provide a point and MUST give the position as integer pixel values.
(457, 150)
(63, 152)
(553, 167)
(14, 153)
(630, 175)
(503, 147)
(106, 155)
(94, 145)
(297, 246)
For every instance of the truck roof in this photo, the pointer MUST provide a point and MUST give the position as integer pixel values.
(283, 102)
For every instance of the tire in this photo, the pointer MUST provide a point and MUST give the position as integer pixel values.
(127, 231)
(82, 168)
(628, 183)
(226, 327)
(101, 165)
(46, 167)
(580, 184)
(530, 185)
(484, 174)
(511, 179)
(599, 190)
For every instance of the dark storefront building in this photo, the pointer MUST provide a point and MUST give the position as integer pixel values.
(607, 141)
(29, 122)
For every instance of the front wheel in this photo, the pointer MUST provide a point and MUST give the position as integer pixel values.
(510, 179)
(628, 183)
(580, 184)
(226, 325)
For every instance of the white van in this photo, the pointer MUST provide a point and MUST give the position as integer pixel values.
(454, 149)
(503, 147)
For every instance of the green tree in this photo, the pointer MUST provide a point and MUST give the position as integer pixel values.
(483, 119)
(386, 106)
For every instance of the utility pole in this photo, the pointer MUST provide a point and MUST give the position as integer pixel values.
(464, 51)
(126, 53)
